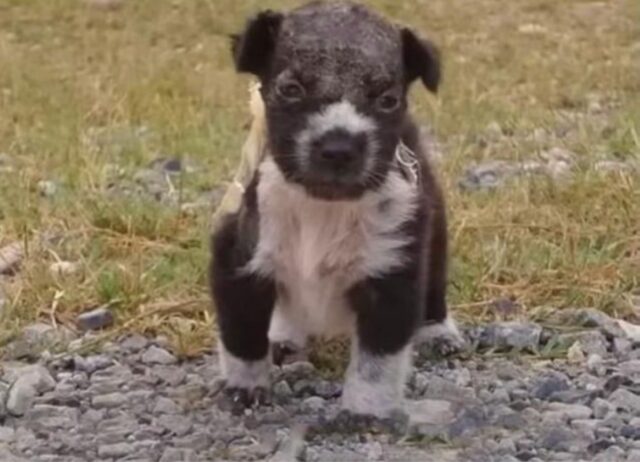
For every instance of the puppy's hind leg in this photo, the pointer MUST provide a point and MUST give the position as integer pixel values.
(244, 303)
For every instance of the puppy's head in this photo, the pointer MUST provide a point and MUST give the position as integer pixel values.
(334, 81)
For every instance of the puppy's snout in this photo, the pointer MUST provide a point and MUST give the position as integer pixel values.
(339, 150)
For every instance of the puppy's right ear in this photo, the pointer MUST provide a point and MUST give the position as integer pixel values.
(253, 49)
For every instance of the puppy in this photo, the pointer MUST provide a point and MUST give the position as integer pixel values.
(342, 228)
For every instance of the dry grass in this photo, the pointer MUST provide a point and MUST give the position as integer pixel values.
(77, 83)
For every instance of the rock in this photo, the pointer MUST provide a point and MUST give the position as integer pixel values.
(595, 365)
(571, 411)
(116, 450)
(157, 355)
(108, 401)
(47, 188)
(63, 268)
(431, 412)
(95, 319)
(626, 400)
(560, 162)
(7, 435)
(468, 423)
(178, 455)
(550, 383)
(165, 406)
(282, 391)
(511, 335)
(559, 439)
(31, 381)
(11, 255)
(487, 176)
(314, 404)
(92, 363)
(134, 343)
(632, 331)
(575, 353)
(591, 341)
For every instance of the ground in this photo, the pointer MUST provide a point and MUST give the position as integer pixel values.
(121, 121)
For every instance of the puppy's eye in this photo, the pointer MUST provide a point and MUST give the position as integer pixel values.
(291, 91)
(388, 102)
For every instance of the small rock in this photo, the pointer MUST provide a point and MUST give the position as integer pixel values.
(282, 390)
(178, 455)
(559, 439)
(134, 343)
(63, 268)
(511, 335)
(96, 319)
(47, 188)
(575, 353)
(595, 365)
(572, 411)
(626, 400)
(314, 404)
(11, 255)
(157, 355)
(165, 406)
(431, 412)
(549, 384)
(92, 363)
(116, 450)
(32, 381)
(487, 176)
(7, 435)
(108, 401)
(468, 423)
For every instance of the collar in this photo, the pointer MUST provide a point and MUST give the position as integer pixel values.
(408, 164)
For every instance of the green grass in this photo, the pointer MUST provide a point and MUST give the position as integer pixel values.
(83, 89)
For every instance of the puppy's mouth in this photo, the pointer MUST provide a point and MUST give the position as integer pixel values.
(332, 191)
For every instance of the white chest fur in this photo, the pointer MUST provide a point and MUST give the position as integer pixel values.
(316, 250)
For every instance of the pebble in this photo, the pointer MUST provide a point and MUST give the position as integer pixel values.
(47, 188)
(157, 355)
(116, 450)
(31, 382)
(96, 319)
(511, 335)
(63, 268)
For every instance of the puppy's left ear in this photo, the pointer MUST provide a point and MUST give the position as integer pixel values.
(253, 48)
(421, 59)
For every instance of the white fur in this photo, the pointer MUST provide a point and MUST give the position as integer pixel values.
(375, 384)
(318, 249)
(446, 328)
(342, 115)
(241, 373)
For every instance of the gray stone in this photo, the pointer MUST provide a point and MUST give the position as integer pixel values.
(431, 412)
(314, 404)
(165, 406)
(469, 422)
(559, 439)
(624, 399)
(602, 408)
(176, 424)
(282, 390)
(171, 375)
(178, 455)
(109, 400)
(95, 319)
(550, 383)
(134, 343)
(571, 411)
(31, 381)
(157, 355)
(630, 368)
(511, 335)
(11, 255)
(116, 450)
(7, 435)
(92, 363)
(51, 418)
(47, 188)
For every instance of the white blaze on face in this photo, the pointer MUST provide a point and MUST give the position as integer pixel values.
(341, 115)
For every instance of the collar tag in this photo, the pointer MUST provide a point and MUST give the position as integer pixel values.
(408, 162)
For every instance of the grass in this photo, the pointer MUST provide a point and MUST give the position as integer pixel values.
(84, 89)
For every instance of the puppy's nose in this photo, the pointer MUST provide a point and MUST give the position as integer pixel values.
(339, 149)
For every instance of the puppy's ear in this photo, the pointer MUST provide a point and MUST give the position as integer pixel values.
(253, 48)
(421, 59)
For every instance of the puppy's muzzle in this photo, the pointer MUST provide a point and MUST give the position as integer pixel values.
(338, 154)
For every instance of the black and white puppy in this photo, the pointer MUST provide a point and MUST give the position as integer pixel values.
(342, 229)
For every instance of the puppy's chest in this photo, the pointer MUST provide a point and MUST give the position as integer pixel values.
(310, 246)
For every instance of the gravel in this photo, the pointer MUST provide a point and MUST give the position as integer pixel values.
(135, 400)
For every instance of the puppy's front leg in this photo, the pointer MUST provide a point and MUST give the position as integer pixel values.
(387, 311)
(244, 303)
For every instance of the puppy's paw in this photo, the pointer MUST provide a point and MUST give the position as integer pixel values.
(440, 340)
(237, 399)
